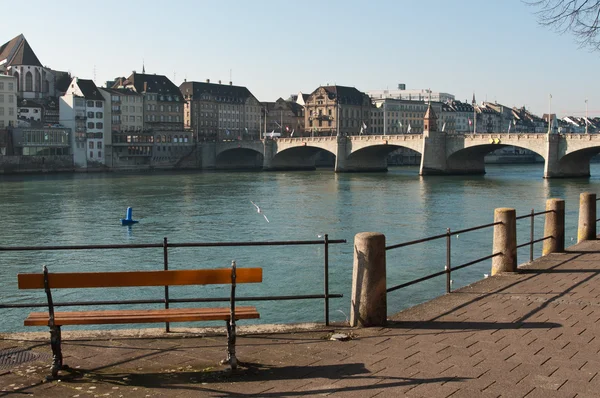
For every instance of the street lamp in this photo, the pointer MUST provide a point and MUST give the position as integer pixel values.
(586, 116)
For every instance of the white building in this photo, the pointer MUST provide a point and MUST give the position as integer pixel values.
(8, 101)
(83, 109)
(411, 95)
(395, 116)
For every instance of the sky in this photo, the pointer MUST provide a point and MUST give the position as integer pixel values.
(494, 49)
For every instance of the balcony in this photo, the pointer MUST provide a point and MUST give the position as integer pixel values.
(321, 117)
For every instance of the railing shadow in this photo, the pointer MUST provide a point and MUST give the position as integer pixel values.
(450, 325)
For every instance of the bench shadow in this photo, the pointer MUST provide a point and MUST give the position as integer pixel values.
(200, 381)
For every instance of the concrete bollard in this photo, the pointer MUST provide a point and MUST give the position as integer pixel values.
(505, 241)
(369, 295)
(586, 229)
(554, 227)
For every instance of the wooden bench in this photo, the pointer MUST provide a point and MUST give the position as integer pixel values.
(56, 319)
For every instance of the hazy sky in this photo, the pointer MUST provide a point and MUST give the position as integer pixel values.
(494, 48)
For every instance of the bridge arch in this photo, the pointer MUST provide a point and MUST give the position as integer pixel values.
(576, 156)
(301, 158)
(238, 158)
(465, 153)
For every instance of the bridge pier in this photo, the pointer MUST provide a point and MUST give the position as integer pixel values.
(340, 155)
(268, 154)
(208, 155)
(433, 158)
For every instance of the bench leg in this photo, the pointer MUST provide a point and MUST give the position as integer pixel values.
(231, 359)
(57, 359)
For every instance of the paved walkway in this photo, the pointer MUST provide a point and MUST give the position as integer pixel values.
(531, 334)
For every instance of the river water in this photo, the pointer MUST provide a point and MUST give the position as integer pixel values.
(215, 206)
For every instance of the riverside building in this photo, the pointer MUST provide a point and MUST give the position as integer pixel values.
(330, 110)
(8, 101)
(82, 109)
(220, 111)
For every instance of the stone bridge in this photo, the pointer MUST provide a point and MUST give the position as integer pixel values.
(566, 155)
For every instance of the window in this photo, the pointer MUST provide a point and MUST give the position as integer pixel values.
(11, 99)
(1, 98)
(90, 125)
(91, 154)
(1, 111)
(98, 104)
(28, 82)
(90, 114)
(91, 144)
(99, 115)
(11, 86)
(99, 125)
(90, 104)
(1, 85)
(99, 154)
(11, 111)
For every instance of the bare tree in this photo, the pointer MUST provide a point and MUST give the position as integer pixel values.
(579, 17)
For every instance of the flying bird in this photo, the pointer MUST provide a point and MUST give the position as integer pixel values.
(259, 210)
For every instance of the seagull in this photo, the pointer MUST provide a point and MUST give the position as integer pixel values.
(259, 210)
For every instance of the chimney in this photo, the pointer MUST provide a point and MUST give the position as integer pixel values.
(145, 86)
(230, 83)
(219, 82)
(208, 80)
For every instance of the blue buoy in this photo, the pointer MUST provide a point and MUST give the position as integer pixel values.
(128, 220)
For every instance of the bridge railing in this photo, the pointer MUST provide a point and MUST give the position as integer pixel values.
(165, 245)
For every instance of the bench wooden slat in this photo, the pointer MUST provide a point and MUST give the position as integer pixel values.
(139, 278)
(140, 316)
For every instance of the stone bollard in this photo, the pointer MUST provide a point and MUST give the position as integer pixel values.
(505, 241)
(369, 295)
(554, 227)
(587, 217)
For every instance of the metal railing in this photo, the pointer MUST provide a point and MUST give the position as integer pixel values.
(531, 242)
(165, 245)
(448, 235)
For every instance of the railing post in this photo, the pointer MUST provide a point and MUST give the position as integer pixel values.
(505, 241)
(326, 278)
(587, 217)
(369, 291)
(166, 267)
(554, 227)
(448, 259)
(531, 236)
